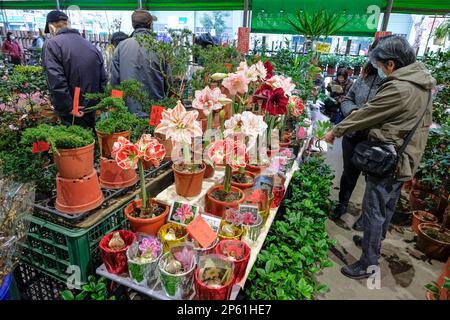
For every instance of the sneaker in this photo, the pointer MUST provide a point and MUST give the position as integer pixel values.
(356, 271)
(338, 212)
(357, 240)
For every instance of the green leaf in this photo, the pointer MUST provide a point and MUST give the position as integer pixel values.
(269, 266)
(322, 288)
(67, 295)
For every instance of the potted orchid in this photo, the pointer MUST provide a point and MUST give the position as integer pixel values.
(209, 102)
(181, 127)
(143, 258)
(146, 216)
(232, 153)
(249, 128)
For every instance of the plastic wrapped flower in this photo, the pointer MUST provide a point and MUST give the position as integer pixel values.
(236, 83)
(209, 100)
(184, 213)
(233, 216)
(248, 218)
(296, 106)
(282, 82)
(151, 150)
(150, 247)
(125, 153)
(179, 125)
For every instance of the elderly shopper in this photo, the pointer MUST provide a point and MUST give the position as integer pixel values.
(402, 106)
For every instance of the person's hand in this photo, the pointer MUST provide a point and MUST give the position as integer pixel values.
(329, 137)
(80, 112)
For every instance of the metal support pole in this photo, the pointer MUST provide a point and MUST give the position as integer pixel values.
(386, 15)
(430, 34)
(58, 7)
(139, 3)
(244, 23)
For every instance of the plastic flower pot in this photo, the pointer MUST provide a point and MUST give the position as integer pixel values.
(278, 195)
(209, 171)
(256, 169)
(148, 226)
(252, 232)
(238, 252)
(116, 261)
(114, 177)
(243, 186)
(168, 144)
(75, 163)
(419, 217)
(142, 272)
(207, 292)
(180, 235)
(75, 196)
(433, 248)
(188, 184)
(217, 207)
(176, 285)
(106, 141)
(4, 288)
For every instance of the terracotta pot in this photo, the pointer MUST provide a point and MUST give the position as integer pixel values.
(244, 186)
(114, 177)
(419, 217)
(106, 141)
(188, 184)
(407, 185)
(75, 163)
(204, 292)
(76, 196)
(421, 200)
(116, 261)
(167, 144)
(433, 248)
(217, 207)
(255, 169)
(445, 273)
(149, 226)
(209, 171)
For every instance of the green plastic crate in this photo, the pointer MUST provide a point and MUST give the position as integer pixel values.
(54, 248)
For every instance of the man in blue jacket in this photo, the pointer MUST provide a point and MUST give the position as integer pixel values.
(71, 61)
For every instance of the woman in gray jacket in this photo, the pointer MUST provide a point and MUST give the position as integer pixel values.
(362, 90)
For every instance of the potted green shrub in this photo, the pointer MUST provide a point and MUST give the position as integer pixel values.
(332, 62)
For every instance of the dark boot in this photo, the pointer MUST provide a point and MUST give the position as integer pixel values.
(338, 211)
(357, 240)
(356, 271)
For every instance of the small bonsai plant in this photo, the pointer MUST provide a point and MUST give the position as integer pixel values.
(58, 136)
(131, 156)
(118, 118)
(93, 290)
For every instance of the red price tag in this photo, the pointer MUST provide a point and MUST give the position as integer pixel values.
(156, 115)
(200, 230)
(76, 101)
(243, 39)
(117, 94)
(40, 146)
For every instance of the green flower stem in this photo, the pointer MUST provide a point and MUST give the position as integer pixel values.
(222, 122)
(208, 128)
(186, 153)
(144, 195)
(227, 179)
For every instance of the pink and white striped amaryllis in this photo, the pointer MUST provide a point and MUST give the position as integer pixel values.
(230, 152)
(151, 150)
(209, 100)
(127, 154)
(282, 82)
(179, 125)
(236, 83)
(247, 124)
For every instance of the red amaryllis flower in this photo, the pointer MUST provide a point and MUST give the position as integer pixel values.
(229, 151)
(269, 69)
(125, 153)
(151, 150)
(274, 100)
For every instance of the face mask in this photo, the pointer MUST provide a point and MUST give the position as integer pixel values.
(381, 73)
(12, 38)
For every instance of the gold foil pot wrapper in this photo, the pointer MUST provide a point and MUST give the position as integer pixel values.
(164, 234)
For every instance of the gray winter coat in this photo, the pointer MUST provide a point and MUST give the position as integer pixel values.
(131, 61)
(361, 92)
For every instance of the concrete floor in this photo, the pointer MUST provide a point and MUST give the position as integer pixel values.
(404, 269)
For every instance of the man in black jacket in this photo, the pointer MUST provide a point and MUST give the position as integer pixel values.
(71, 61)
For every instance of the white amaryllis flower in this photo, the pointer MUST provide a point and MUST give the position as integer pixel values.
(252, 124)
(260, 70)
(251, 73)
(282, 82)
(232, 126)
(209, 100)
(179, 125)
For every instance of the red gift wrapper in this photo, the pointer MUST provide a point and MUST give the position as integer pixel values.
(203, 292)
(116, 260)
(242, 249)
(278, 194)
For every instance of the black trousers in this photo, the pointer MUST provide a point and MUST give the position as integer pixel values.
(86, 121)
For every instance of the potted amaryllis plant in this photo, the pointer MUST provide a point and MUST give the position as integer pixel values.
(177, 271)
(231, 226)
(181, 127)
(234, 155)
(145, 215)
(238, 252)
(143, 259)
(247, 127)
(209, 102)
(214, 278)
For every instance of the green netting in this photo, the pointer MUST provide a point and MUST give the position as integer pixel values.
(270, 16)
(158, 5)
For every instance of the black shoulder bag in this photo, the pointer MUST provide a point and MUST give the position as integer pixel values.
(379, 159)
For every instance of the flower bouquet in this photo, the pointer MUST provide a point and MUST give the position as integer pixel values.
(181, 127)
(143, 258)
(145, 216)
(113, 248)
(238, 252)
(231, 226)
(214, 278)
(177, 271)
